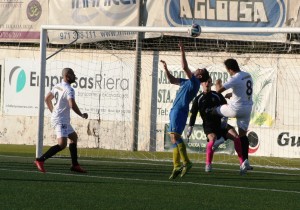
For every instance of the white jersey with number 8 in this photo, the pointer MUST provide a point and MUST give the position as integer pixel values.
(242, 89)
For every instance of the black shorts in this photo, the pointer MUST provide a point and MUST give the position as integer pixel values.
(217, 130)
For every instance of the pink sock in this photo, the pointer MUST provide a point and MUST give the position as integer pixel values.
(209, 152)
(238, 149)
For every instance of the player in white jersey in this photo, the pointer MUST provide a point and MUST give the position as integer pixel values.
(64, 100)
(240, 105)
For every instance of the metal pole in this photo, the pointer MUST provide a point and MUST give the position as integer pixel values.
(137, 84)
(153, 125)
(43, 45)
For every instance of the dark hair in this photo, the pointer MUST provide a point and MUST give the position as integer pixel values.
(205, 75)
(65, 71)
(232, 64)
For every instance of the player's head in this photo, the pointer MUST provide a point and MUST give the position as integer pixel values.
(206, 85)
(201, 74)
(68, 75)
(232, 66)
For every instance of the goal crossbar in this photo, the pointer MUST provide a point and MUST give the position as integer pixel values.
(174, 29)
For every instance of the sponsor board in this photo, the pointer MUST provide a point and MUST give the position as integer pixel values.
(197, 141)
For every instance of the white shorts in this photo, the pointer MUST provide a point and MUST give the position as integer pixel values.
(241, 114)
(63, 130)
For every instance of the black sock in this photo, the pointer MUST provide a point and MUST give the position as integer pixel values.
(245, 146)
(73, 152)
(51, 151)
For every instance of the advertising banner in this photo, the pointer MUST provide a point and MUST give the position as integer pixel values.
(101, 92)
(226, 13)
(92, 13)
(223, 13)
(197, 141)
(20, 21)
(267, 142)
(273, 142)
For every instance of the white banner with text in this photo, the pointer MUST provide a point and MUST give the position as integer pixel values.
(100, 91)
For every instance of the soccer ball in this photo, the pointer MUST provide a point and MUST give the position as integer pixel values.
(195, 30)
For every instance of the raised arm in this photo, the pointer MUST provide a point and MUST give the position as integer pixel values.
(184, 63)
(220, 88)
(171, 78)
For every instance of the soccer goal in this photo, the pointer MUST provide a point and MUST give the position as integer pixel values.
(122, 86)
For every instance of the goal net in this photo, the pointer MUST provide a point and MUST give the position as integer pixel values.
(122, 86)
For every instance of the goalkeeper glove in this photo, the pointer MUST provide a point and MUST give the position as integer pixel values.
(189, 131)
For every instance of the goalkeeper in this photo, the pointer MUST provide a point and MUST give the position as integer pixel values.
(212, 124)
(64, 97)
(179, 112)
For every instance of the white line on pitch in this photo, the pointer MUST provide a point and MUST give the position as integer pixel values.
(159, 181)
(162, 164)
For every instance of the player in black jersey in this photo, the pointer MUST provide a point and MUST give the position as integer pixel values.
(212, 124)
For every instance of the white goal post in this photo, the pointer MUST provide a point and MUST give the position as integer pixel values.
(183, 31)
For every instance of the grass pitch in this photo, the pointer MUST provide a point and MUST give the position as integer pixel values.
(139, 184)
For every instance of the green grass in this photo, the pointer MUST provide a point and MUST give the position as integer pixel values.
(137, 184)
